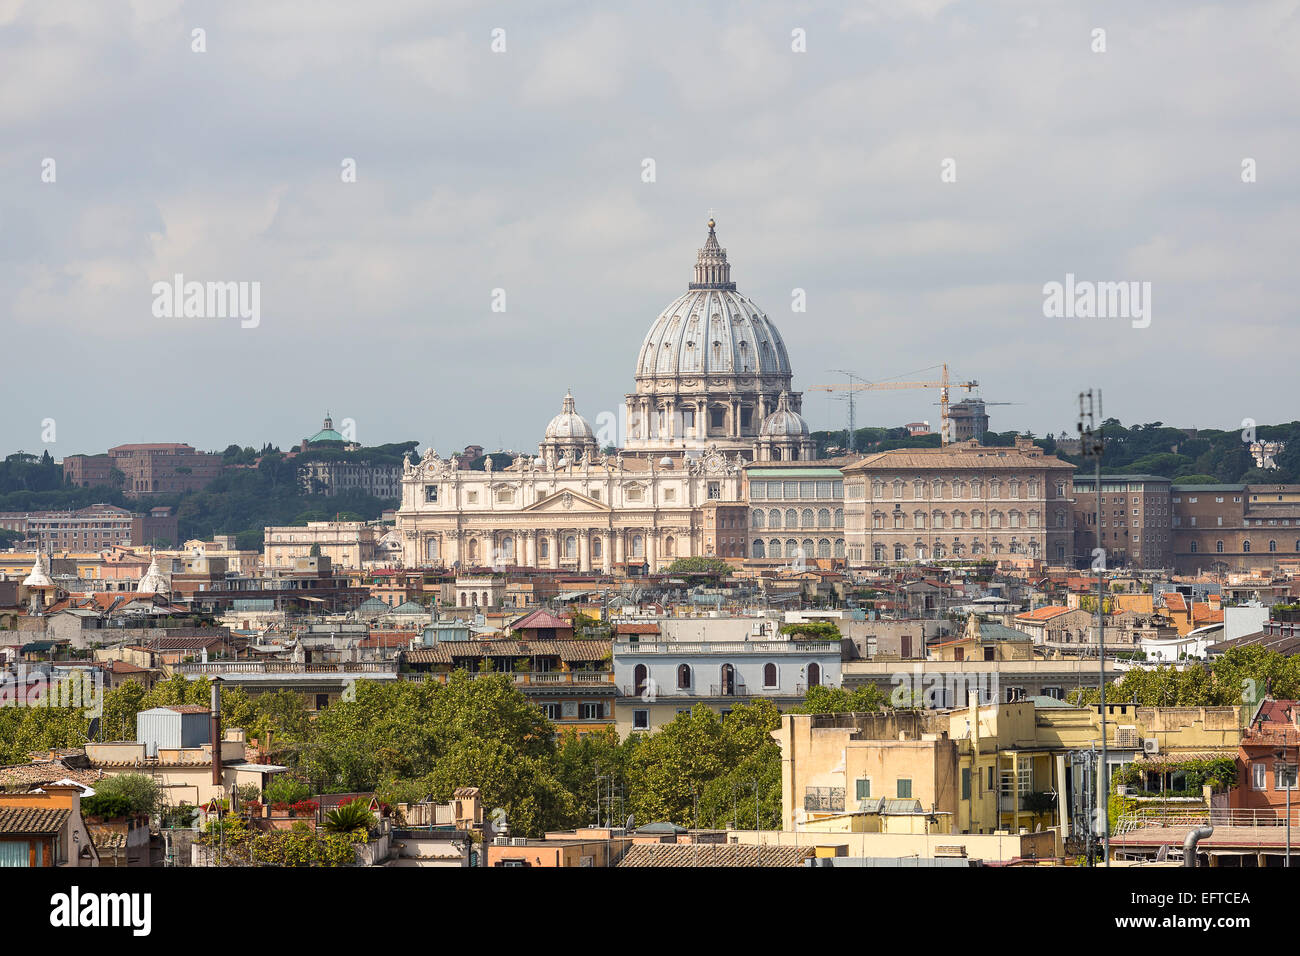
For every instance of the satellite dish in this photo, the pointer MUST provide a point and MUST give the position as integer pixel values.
(631, 819)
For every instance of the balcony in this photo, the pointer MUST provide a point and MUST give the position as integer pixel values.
(235, 668)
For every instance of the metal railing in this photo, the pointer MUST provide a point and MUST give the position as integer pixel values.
(1164, 817)
(286, 667)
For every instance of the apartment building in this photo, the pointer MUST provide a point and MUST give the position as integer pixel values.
(1234, 527)
(86, 529)
(1136, 520)
(666, 667)
(348, 544)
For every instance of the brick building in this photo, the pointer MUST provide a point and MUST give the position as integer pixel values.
(1243, 527)
(1135, 520)
(87, 471)
(164, 467)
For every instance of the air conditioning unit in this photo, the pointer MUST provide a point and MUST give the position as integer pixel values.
(1150, 745)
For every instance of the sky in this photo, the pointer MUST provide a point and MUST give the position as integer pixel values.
(920, 169)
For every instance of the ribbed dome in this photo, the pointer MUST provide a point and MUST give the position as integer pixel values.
(153, 581)
(568, 424)
(784, 422)
(712, 329)
(40, 575)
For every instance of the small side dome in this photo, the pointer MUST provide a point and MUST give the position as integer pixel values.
(784, 422)
(568, 424)
(666, 462)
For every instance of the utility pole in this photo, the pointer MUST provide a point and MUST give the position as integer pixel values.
(1092, 445)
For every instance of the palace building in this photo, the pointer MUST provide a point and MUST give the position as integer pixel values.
(712, 393)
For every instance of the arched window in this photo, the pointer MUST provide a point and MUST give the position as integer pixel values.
(807, 545)
(791, 548)
(595, 547)
(639, 679)
(431, 549)
(1272, 546)
(728, 676)
(543, 547)
(1218, 546)
(759, 550)
(670, 546)
(683, 677)
(473, 551)
(791, 518)
(773, 548)
(1193, 547)
(814, 675)
(839, 547)
(774, 519)
(824, 517)
(638, 546)
(1245, 547)
(757, 519)
(570, 546)
(823, 547)
(769, 675)
(839, 517)
(806, 519)
(507, 548)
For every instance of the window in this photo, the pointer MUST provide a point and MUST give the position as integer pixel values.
(552, 711)
(965, 783)
(904, 789)
(715, 490)
(1245, 547)
(1259, 775)
(684, 675)
(430, 492)
(1284, 776)
(1218, 546)
(591, 710)
(862, 788)
(640, 720)
(769, 675)
(814, 675)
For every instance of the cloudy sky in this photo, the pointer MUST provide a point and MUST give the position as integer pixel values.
(522, 170)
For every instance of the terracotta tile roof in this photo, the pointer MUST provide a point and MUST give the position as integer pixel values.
(713, 854)
(27, 775)
(1045, 613)
(39, 820)
(541, 618)
(186, 708)
(636, 627)
(1174, 601)
(954, 457)
(450, 651)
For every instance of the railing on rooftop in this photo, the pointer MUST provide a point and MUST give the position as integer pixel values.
(1146, 818)
(286, 667)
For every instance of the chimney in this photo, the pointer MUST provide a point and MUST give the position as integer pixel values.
(215, 717)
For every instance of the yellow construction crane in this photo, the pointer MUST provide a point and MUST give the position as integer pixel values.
(943, 385)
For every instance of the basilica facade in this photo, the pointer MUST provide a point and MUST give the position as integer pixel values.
(712, 393)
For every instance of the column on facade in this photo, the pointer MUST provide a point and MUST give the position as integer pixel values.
(584, 549)
(606, 558)
(651, 549)
(620, 545)
(556, 540)
(530, 548)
